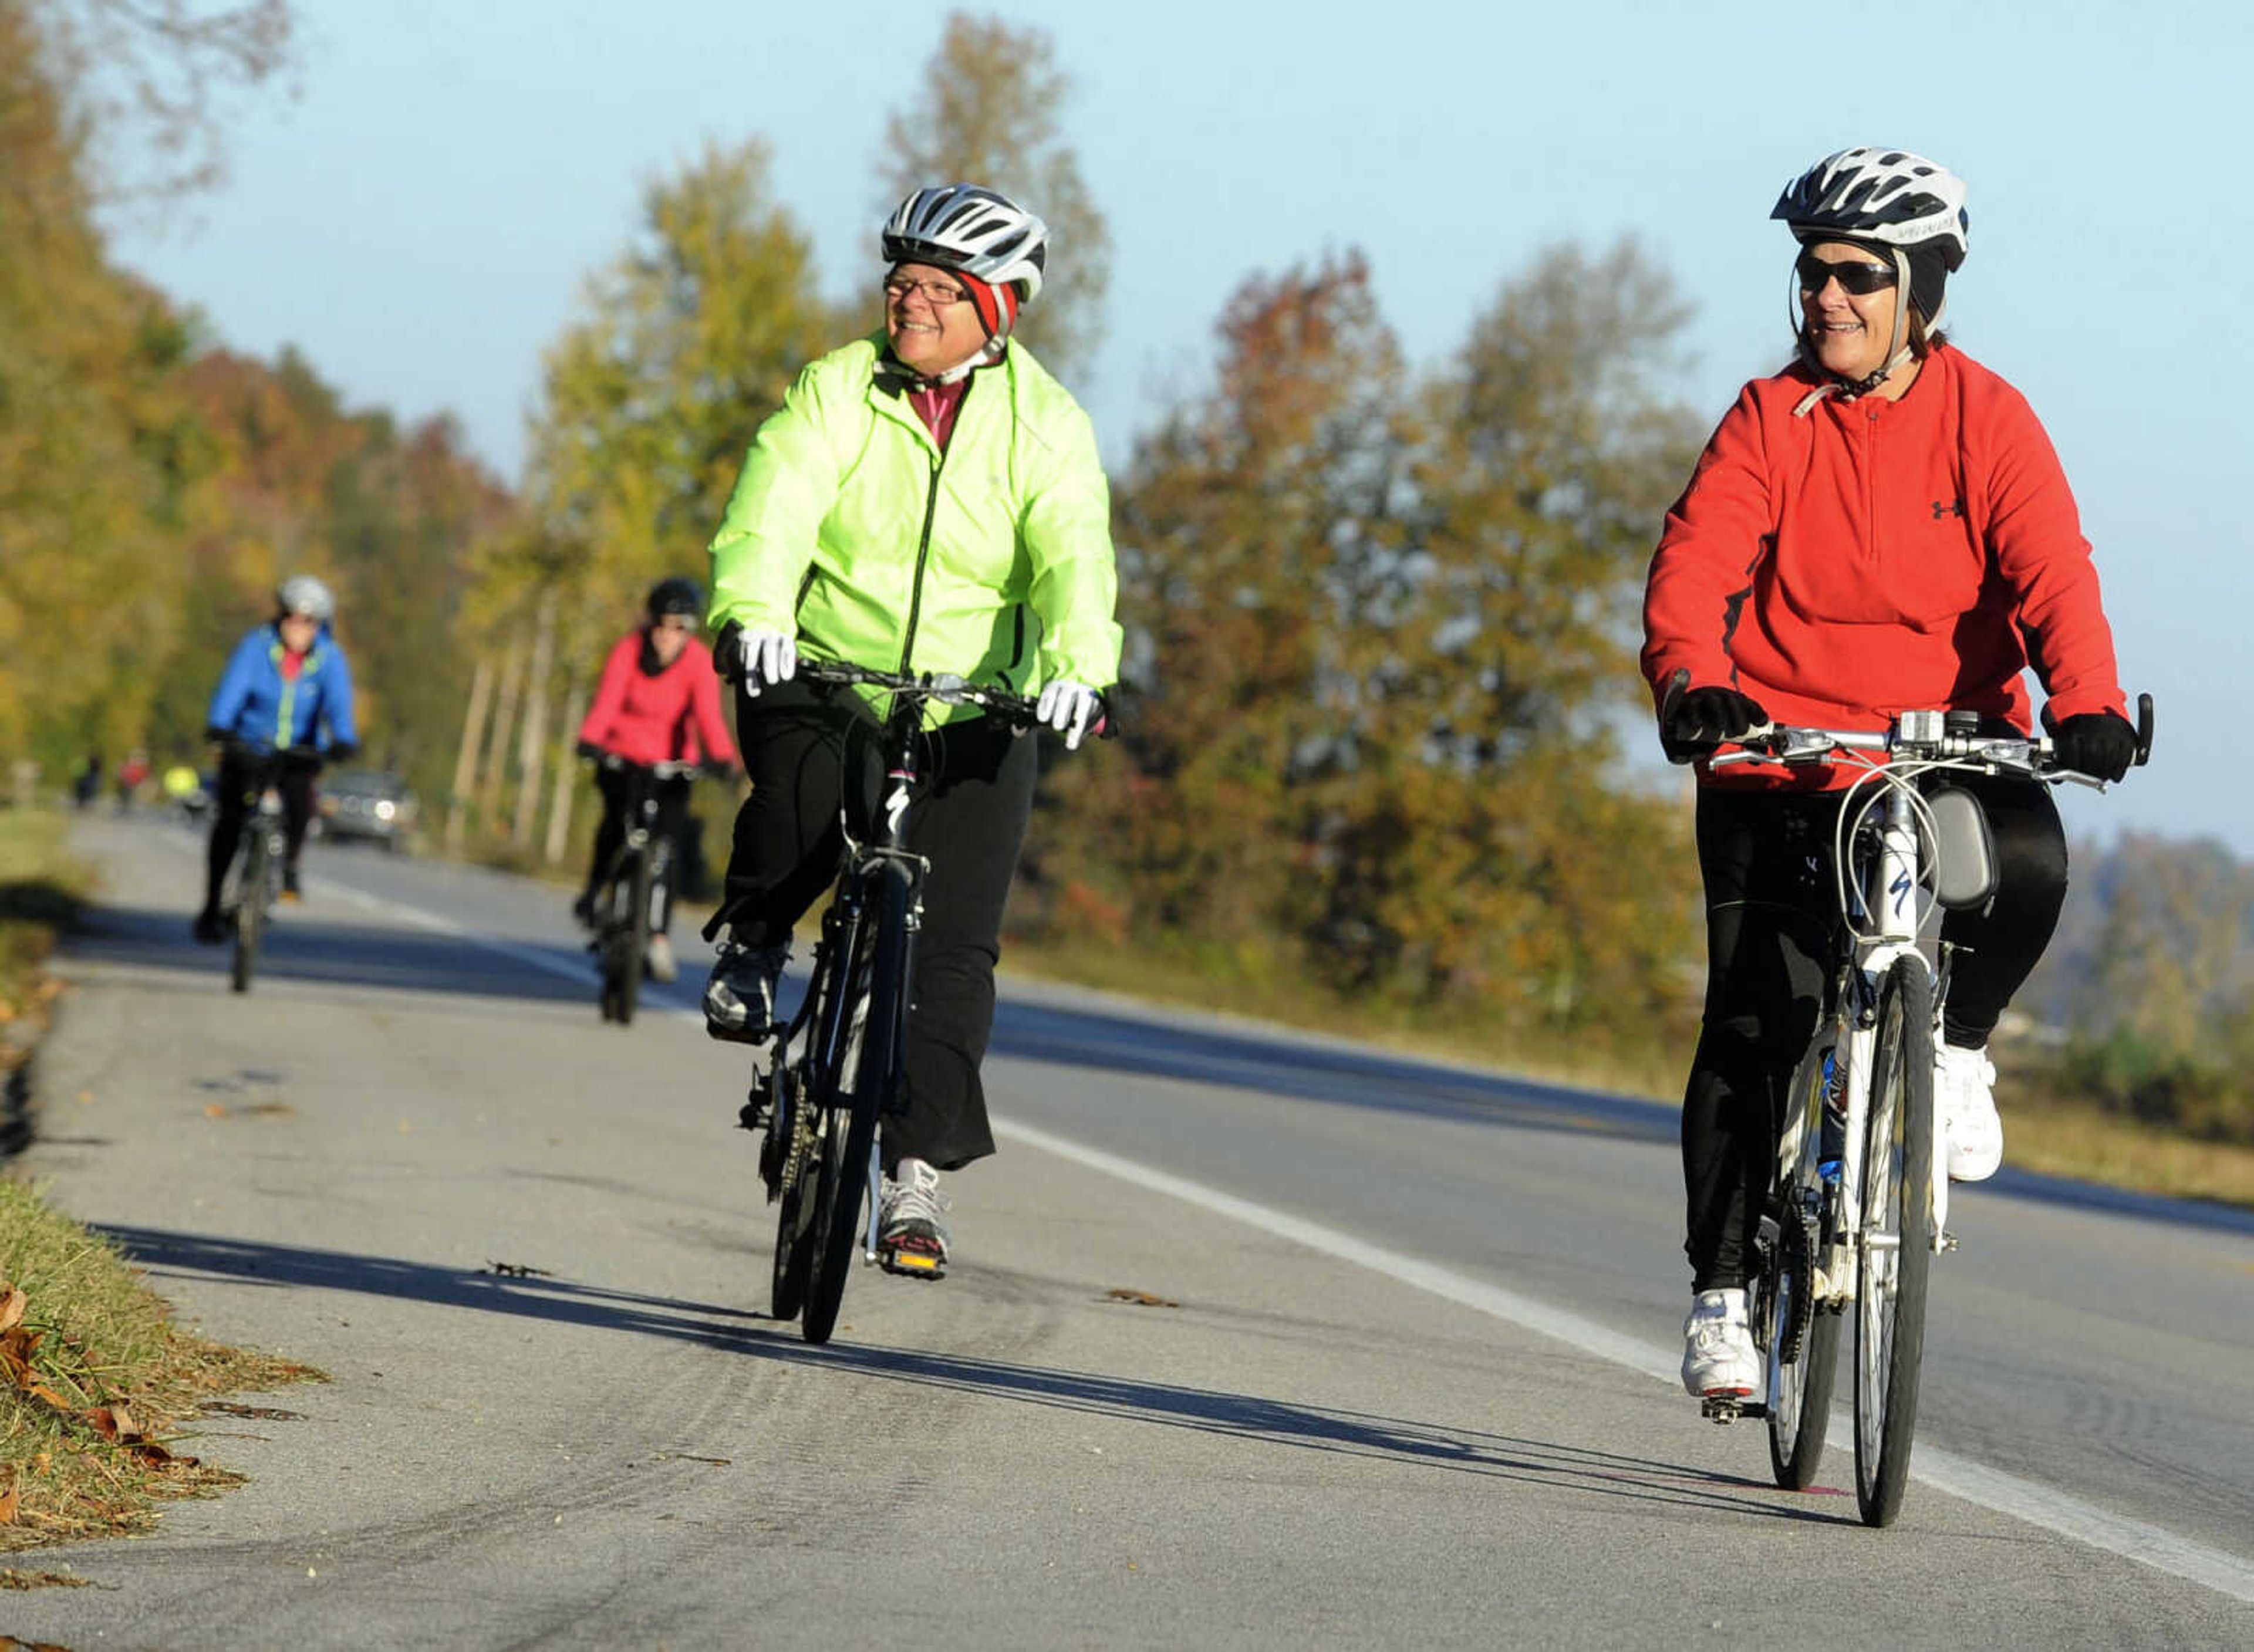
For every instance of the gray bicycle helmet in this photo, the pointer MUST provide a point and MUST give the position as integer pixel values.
(962, 226)
(302, 594)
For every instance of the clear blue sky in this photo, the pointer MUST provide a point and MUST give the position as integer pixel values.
(420, 220)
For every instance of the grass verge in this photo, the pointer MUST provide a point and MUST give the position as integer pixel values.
(95, 1379)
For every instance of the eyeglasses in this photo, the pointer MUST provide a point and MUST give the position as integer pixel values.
(1852, 274)
(941, 293)
(676, 622)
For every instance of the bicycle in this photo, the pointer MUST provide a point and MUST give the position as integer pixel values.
(840, 1065)
(254, 881)
(1857, 1206)
(633, 890)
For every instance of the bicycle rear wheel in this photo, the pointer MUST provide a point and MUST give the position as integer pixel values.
(1803, 1338)
(1895, 1251)
(850, 1130)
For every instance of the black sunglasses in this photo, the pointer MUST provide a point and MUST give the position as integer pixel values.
(1853, 275)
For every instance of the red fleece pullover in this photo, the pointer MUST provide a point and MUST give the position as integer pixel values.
(674, 717)
(1871, 556)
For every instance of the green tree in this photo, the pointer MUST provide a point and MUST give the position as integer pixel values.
(989, 113)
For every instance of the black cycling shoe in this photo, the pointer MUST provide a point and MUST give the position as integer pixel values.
(210, 929)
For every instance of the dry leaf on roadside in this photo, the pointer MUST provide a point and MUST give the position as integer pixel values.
(114, 1422)
(1141, 1299)
(8, 1501)
(12, 1306)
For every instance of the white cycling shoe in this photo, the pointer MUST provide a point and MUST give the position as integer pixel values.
(1719, 1356)
(1971, 1130)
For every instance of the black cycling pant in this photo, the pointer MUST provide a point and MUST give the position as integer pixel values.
(1772, 911)
(617, 788)
(802, 744)
(233, 800)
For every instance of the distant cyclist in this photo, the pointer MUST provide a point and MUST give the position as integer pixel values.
(928, 499)
(286, 687)
(658, 701)
(1882, 527)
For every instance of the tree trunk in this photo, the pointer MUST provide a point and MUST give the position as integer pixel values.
(496, 764)
(567, 773)
(532, 747)
(466, 764)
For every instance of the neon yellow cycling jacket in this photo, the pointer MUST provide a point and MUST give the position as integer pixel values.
(849, 530)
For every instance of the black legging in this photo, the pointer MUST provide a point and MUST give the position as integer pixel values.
(1771, 910)
(968, 822)
(617, 788)
(232, 800)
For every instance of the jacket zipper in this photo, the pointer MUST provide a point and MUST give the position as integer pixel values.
(923, 553)
(1870, 481)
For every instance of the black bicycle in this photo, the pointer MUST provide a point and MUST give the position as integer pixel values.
(839, 1068)
(254, 880)
(634, 888)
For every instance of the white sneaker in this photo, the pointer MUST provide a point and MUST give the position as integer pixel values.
(909, 1213)
(1966, 1108)
(1719, 1356)
(660, 961)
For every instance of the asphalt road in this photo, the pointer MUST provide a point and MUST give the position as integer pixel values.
(1411, 1383)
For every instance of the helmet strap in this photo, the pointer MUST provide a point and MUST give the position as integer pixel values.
(1898, 347)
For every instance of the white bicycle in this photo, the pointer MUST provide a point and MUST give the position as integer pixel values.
(1859, 1202)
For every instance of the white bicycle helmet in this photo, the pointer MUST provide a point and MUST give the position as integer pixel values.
(302, 594)
(977, 231)
(1887, 195)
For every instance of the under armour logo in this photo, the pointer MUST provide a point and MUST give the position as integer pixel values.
(1945, 508)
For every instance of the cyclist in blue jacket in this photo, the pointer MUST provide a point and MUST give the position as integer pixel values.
(286, 687)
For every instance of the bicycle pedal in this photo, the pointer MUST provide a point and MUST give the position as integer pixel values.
(911, 1265)
(752, 1114)
(1725, 1409)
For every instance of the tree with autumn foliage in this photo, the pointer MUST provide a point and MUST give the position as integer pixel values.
(1384, 623)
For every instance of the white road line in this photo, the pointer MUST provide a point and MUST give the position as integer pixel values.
(2037, 1504)
(2026, 1499)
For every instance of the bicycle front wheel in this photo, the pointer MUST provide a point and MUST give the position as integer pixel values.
(1895, 1250)
(629, 938)
(849, 1131)
(249, 913)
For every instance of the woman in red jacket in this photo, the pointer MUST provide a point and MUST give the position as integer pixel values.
(658, 701)
(1881, 527)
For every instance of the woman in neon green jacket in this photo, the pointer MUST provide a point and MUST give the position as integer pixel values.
(928, 499)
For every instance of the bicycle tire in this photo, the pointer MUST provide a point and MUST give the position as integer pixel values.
(249, 913)
(630, 942)
(1892, 1276)
(1801, 1373)
(849, 1131)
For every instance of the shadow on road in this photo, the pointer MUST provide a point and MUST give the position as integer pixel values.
(305, 947)
(1246, 1417)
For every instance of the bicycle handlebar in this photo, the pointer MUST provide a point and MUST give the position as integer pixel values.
(664, 769)
(1924, 737)
(946, 688)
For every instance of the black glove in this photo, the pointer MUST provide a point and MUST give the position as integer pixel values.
(341, 752)
(1702, 718)
(217, 735)
(588, 748)
(728, 662)
(2098, 744)
(715, 768)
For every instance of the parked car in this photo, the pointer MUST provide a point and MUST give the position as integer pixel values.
(370, 803)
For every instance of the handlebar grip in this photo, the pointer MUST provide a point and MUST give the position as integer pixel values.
(2143, 730)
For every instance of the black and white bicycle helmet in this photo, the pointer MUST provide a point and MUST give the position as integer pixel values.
(962, 226)
(302, 594)
(1887, 195)
(676, 596)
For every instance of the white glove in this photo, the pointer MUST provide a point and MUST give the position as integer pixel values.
(1067, 707)
(769, 656)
